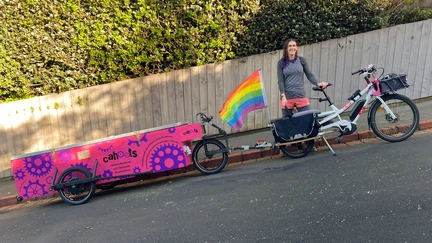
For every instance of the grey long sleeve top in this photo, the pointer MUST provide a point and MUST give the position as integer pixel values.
(290, 77)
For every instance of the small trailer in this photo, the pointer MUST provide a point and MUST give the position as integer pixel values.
(76, 170)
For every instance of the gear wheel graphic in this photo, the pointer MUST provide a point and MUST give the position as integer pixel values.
(65, 155)
(167, 156)
(143, 139)
(34, 189)
(19, 174)
(82, 165)
(107, 173)
(105, 146)
(130, 142)
(122, 154)
(137, 170)
(38, 165)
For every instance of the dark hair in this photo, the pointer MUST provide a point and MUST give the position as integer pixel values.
(285, 47)
(285, 59)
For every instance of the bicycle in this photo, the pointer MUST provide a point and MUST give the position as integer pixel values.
(295, 135)
(393, 117)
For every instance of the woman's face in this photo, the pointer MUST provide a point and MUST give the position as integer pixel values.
(292, 48)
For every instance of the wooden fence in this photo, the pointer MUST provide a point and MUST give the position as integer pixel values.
(72, 117)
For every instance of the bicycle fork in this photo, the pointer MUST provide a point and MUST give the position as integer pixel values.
(390, 116)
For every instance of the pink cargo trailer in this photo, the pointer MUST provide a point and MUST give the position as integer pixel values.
(75, 170)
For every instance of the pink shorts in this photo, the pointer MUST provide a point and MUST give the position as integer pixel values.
(295, 102)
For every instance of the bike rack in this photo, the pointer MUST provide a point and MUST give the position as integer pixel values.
(272, 146)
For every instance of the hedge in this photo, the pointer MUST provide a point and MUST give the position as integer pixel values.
(54, 46)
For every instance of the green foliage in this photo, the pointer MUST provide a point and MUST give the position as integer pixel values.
(406, 11)
(306, 21)
(80, 101)
(410, 15)
(56, 46)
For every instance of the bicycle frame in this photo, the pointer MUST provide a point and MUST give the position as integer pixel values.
(371, 96)
(206, 137)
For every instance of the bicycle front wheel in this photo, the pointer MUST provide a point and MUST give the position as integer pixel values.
(394, 129)
(211, 161)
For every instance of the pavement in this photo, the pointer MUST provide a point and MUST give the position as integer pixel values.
(8, 191)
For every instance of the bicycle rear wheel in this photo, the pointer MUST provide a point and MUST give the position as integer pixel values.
(211, 162)
(399, 129)
(297, 150)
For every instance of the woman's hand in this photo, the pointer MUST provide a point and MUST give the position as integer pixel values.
(323, 85)
(284, 100)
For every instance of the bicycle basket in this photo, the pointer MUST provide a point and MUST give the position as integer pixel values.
(392, 82)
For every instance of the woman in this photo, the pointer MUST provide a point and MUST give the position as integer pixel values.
(290, 72)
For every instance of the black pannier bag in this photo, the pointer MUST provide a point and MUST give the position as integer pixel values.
(299, 126)
(392, 82)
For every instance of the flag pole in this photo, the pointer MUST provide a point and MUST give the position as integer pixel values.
(264, 94)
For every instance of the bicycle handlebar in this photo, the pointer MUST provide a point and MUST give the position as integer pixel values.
(319, 88)
(353, 73)
(208, 119)
(204, 118)
(368, 69)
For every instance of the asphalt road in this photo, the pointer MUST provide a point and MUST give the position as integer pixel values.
(371, 192)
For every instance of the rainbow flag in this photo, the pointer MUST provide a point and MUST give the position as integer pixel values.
(247, 97)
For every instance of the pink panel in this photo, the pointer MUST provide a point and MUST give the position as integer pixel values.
(153, 152)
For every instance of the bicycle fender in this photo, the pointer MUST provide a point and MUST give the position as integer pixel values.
(374, 103)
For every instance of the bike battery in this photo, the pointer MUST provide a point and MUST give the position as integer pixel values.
(357, 108)
(354, 95)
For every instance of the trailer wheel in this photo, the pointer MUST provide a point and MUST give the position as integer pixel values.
(78, 193)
